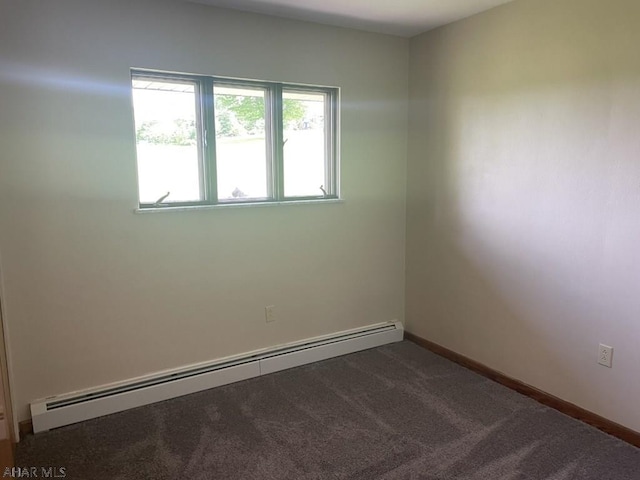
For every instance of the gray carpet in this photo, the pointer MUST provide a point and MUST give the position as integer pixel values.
(395, 412)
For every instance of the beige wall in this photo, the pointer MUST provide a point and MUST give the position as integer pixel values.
(523, 220)
(95, 293)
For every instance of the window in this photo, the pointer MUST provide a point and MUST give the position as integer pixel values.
(211, 141)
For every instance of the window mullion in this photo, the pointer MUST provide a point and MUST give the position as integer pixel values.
(209, 136)
(277, 134)
(330, 135)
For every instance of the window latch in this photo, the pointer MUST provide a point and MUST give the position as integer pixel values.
(161, 199)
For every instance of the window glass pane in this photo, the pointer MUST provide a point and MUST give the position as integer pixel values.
(241, 145)
(304, 143)
(167, 140)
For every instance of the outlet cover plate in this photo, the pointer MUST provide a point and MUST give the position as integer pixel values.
(270, 313)
(605, 355)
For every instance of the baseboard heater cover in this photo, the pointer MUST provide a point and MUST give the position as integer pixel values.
(64, 410)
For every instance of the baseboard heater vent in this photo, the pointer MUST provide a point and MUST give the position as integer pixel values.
(76, 407)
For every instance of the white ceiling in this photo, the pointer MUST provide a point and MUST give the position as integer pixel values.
(398, 17)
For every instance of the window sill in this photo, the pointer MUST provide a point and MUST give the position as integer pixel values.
(193, 208)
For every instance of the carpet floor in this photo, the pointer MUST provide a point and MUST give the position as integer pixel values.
(394, 412)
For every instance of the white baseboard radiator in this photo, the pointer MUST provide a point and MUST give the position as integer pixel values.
(60, 410)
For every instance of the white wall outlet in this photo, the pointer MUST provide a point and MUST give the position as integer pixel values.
(270, 313)
(605, 355)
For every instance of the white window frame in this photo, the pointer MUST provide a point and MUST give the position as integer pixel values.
(274, 130)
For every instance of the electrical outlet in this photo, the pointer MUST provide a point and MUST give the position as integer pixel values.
(605, 355)
(270, 313)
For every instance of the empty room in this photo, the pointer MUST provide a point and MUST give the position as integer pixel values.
(304, 239)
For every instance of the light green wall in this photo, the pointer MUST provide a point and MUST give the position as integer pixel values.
(95, 293)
